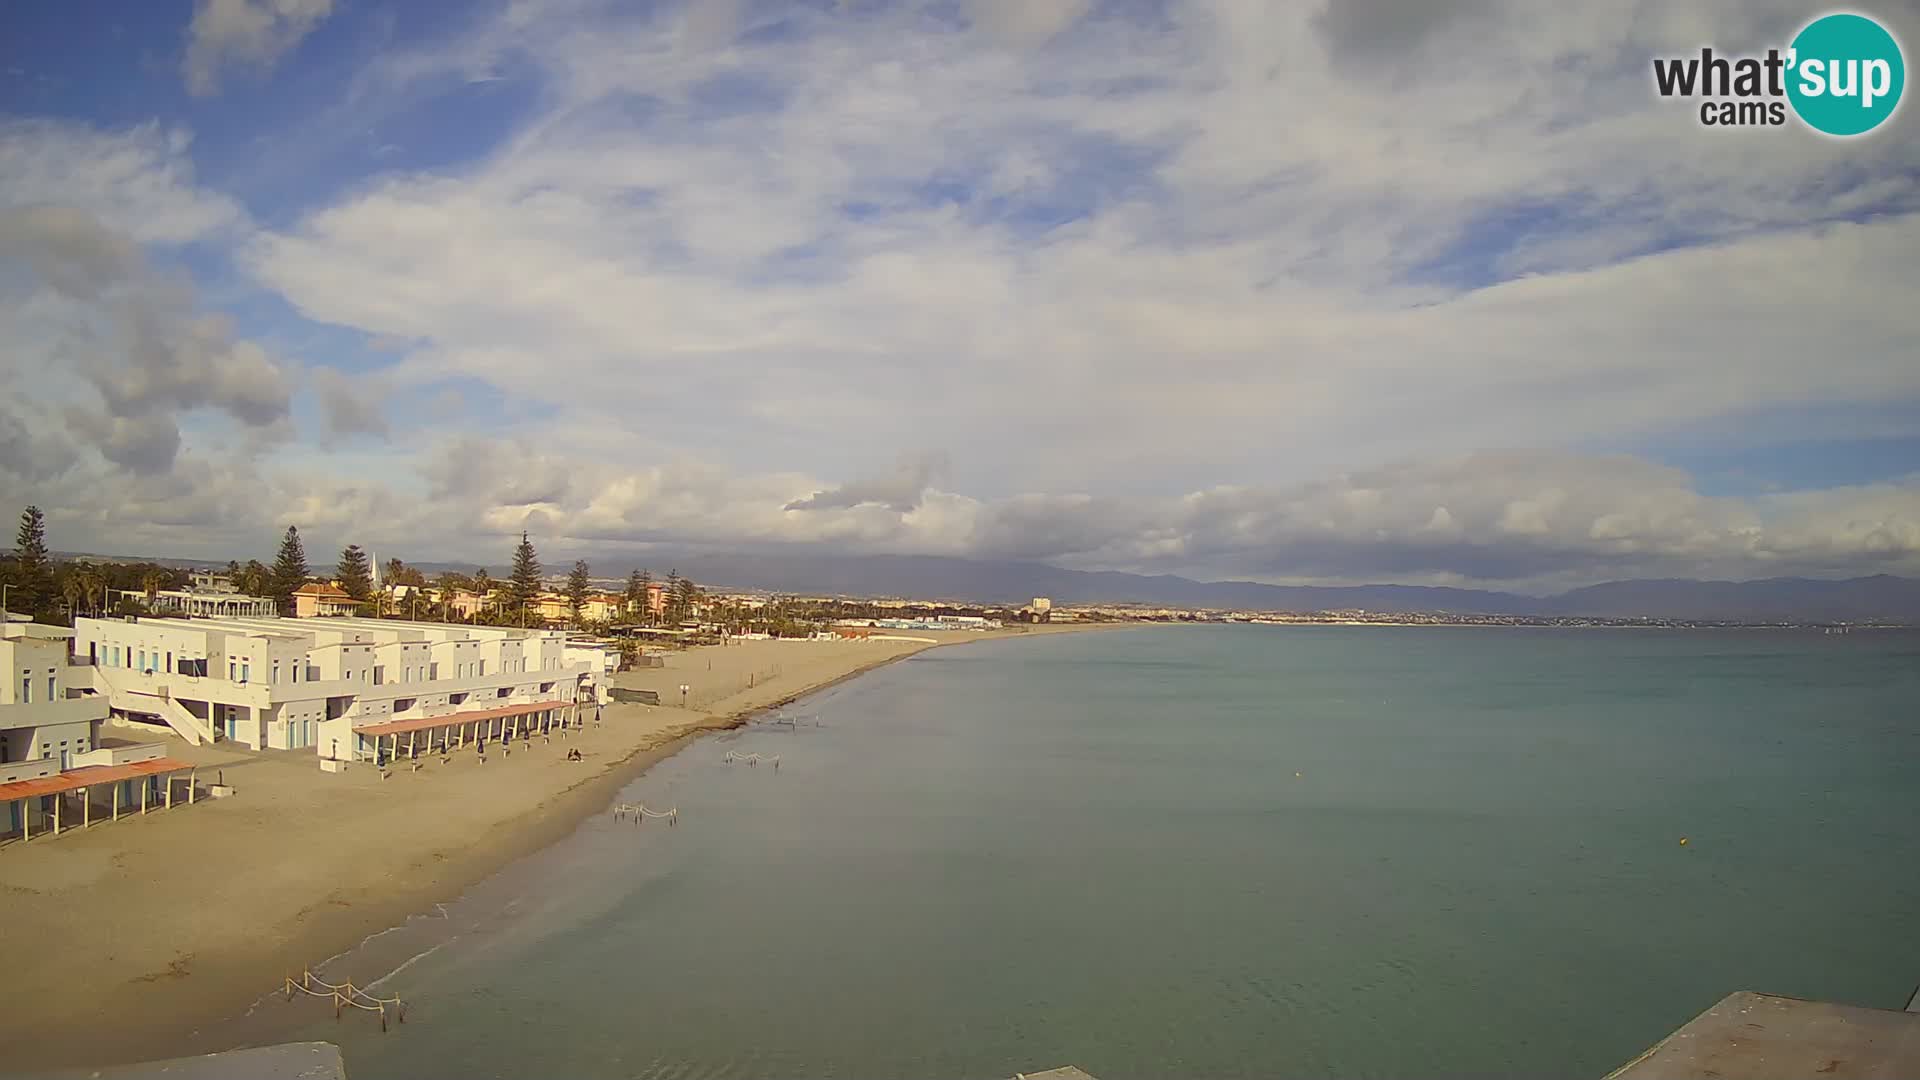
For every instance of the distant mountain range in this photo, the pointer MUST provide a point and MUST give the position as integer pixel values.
(1881, 597)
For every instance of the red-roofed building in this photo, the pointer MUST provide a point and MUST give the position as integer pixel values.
(315, 599)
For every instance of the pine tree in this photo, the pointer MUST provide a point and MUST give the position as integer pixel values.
(579, 583)
(355, 573)
(636, 592)
(33, 592)
(289, 568)
(671, 598)
(523, 586)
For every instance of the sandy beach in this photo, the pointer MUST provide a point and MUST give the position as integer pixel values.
(130, 938)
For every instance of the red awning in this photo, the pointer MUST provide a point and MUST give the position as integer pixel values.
(401, 727)
(74, 779)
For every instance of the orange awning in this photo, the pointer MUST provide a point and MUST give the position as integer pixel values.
(74, 779)
(401, 727)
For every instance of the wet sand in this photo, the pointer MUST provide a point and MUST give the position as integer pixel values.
(130, 938)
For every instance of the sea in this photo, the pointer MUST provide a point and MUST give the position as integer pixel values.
(1203, 851)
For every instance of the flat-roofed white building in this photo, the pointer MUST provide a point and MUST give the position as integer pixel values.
(208, 594)
(54, 769)
(47, 714)
(291, 684)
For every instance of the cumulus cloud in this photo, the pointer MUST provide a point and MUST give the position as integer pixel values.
(253, 33)
(102, 316)
(140, 182)
(900, 491)
(350, 404)
(1027, 23)
(1170, 317)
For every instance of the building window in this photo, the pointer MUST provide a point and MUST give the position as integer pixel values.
(246, 671)
(143, 660)
(233, 671)
(26, 690)
(276, 673)
(169, 661)
(50, 691)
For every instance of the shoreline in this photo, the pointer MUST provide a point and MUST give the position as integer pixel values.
(184, 1006)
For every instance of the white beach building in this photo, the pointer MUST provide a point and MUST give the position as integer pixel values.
(336, 685)
(54, 767)
(44, 720)
(207, 594)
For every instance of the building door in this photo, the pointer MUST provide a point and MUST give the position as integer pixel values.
(63, 759)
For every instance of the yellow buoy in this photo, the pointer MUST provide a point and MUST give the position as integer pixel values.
(1683, 841)
(1296, 772)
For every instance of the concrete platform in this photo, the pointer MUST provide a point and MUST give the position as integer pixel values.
(288, 1061)
(1749, 1034)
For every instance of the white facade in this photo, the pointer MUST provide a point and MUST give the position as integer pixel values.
(46, 720)
(601, 658)
(290, 684)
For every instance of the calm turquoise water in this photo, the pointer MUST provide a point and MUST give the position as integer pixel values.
(1218, 852)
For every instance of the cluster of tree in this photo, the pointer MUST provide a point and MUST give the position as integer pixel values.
(58, 591)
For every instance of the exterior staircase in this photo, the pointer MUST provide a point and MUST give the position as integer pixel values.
(139, 699)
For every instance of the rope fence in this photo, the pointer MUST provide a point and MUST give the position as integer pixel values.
(752, 759)
(345, 995)
(640, 813)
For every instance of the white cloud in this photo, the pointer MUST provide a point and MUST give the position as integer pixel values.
(140, 182)
(94, 315)
(254, 33)
(1234, 288)
(350, 404)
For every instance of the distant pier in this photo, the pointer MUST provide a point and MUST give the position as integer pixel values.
(1749, 1034)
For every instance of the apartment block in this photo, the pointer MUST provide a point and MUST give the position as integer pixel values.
(295, 684)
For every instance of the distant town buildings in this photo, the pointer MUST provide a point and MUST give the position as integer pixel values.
(932, 622)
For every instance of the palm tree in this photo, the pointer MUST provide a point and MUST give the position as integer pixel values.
(72, 589)
(94, 586)
(152, 581)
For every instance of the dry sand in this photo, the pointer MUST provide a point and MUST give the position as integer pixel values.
(124, 939)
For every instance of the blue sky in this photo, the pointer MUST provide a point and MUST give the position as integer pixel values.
(1337, 290)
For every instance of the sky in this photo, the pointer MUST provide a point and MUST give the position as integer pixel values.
(1421, 291)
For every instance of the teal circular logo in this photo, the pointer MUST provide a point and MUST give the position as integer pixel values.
(1845, 75)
